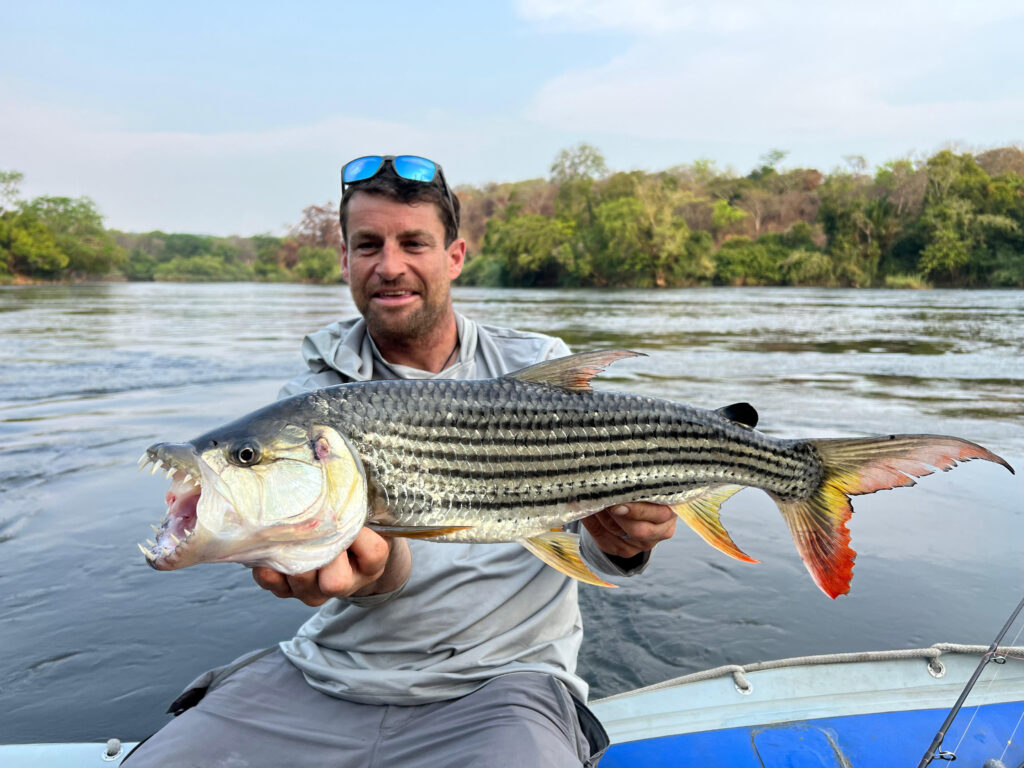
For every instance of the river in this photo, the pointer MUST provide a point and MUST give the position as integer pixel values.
(95, 644)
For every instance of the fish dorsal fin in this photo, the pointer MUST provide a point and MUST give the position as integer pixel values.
(743, 414)
(572, 372)
(562, 552)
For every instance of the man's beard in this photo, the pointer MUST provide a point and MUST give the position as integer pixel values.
(409, 326)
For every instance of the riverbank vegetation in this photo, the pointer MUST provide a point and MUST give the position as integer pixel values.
(952, 219)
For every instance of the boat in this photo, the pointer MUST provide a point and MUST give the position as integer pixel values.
(856, 709)
(877, 709)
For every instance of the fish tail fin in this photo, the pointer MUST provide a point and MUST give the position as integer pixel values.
(561, 551)
(853, 467)
(701, 514)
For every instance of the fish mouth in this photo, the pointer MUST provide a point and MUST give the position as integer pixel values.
(180, 521)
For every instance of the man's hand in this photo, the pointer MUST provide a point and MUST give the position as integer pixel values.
(627, 530)
(371, 565)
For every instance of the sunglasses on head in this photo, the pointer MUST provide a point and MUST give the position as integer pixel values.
(408, 167)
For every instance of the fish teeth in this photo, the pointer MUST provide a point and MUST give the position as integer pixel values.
(189, 533)
(155, 529)
(156, 466)
(188, 479)
(151, 543)
(174, 538)
(149, 555)
(170, 473)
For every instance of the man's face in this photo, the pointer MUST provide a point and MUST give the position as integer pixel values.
(398, 267)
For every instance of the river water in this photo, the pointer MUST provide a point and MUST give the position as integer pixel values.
(95, 644)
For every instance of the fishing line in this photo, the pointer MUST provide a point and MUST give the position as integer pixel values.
(1020, 719)
(1009, 741)
(992, 680)
(986, 657)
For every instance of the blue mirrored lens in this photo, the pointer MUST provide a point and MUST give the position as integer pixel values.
(415, 168)
(362, 168)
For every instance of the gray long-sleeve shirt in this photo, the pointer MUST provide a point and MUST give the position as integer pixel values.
(468, 612)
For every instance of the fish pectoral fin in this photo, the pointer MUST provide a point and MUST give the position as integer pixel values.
(562, 552)
(743, 414)
(416, 531)
(701, 514)
(572, 372)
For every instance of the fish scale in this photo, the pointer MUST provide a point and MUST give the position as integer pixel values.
(513, 458)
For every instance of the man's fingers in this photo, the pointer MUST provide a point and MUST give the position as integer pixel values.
(272, 581)
(609, 536)
(306, 587)
(610, 525)
(357, 568)
(643, 511)
(369, 553)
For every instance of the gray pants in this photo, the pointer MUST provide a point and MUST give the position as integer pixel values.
(265, 714)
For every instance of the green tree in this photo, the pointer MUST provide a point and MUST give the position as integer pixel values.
(10, 182)
(970, 220)
(139, 265)
(583, 161)
(318, 265)
(723, 217)
(29, 247)
(536, 250)
(77, 228)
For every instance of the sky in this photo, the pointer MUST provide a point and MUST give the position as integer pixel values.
(231, 117)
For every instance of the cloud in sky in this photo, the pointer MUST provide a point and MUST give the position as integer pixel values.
(652, 83)
(786, 73)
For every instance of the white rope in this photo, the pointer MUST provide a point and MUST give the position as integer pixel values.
(739, 672)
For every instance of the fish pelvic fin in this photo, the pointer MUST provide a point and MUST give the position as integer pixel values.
(562, 552)
(853, 467)
(572, 372)
(416, 531)
(701, 514)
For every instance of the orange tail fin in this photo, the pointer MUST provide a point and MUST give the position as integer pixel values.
(857, 466)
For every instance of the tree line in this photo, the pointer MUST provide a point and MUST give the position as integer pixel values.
(951, 219)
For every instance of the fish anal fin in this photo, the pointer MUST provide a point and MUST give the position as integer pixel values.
(702, 515)
(562, 552)
(743, 414)
(416, 531)
(572, 372)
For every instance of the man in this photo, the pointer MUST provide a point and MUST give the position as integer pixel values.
(422, 653)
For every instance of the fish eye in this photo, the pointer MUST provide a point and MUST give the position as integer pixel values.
(245, 455)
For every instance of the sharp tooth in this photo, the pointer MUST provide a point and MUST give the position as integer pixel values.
(189, 533)
(149, 555)
(170, 473)
(174, 538)
(155, 529)
(154, 468)
(188, 479)
(143, 458)
(151, 543)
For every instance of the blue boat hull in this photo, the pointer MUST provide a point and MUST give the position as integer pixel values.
(877, 740)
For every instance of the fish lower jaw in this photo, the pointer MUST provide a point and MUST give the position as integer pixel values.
(174, 538)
